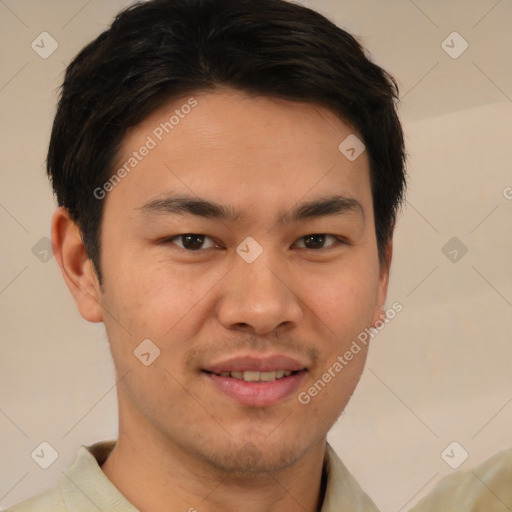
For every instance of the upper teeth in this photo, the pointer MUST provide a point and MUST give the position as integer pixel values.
(257, 376)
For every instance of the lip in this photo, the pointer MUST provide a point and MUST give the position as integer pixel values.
(256, 363)
(257, 394)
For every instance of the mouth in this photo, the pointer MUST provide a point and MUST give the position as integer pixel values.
(256, 381)
(256, 376)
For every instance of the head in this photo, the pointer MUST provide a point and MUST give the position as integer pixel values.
(226, 121)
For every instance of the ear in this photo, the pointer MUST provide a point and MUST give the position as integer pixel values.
(76, 267)
(382, 290)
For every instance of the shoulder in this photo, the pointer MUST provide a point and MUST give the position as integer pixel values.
(485, 488)
(44, 502)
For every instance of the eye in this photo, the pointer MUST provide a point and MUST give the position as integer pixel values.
(195, 241)
(317, 241)
(191, 241)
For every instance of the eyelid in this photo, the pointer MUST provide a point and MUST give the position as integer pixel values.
(168, 240)
(339, 240)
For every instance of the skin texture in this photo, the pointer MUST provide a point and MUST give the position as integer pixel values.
(182, 443)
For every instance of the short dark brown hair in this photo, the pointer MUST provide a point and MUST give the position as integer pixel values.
(157, 50)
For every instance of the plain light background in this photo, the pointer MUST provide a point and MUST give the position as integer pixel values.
(438, 373)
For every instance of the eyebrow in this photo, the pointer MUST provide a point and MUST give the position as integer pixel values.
(190, 205)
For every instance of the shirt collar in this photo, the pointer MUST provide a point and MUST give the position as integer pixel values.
(343, 493)
(85, 486)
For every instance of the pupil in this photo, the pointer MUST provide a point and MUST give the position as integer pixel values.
(320, 238)
(188, 241)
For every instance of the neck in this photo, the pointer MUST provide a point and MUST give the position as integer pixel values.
(158, 475)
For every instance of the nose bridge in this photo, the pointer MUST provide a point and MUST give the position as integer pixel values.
(265, 275)
(262, 275)
(259, 293)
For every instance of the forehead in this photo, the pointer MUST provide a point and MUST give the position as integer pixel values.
(233, 148)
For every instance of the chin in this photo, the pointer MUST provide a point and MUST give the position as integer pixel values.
(256, 456)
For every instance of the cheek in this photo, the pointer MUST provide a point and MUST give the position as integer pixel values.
(344, 300)
(330, 387)
(345, 304)
(159, 298)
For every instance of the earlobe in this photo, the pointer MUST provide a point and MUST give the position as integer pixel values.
(76, 267)
(379, 315)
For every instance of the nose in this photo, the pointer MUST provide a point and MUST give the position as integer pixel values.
(259, 297)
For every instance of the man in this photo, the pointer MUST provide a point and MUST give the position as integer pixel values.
(228, 174)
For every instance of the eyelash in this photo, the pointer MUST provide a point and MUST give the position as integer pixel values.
(339, 241)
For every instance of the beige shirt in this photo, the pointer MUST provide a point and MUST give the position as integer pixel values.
(85, 488)
(486, 488)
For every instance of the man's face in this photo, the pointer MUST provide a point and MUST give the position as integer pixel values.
(212, 305)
